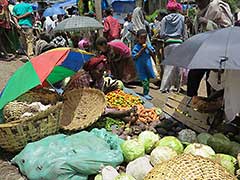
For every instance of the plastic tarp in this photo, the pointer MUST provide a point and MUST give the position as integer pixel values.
(62, 157)
(123, 6)
(65, 4)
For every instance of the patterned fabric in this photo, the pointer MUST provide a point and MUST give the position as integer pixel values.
(80, 80)
(83, 79)
(4, 14)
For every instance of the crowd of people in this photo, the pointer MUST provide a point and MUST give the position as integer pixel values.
(125, 52)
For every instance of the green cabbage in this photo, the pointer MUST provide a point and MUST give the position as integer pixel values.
(172, 142)
(132, 149)
(203, 138)
(227, 162)
(200, 150)
(187, 135)
(124, 177)
(148, 139)
(161, 154)
(98, 177)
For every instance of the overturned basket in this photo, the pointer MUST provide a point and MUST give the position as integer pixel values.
(81, 108)
(15, 135)
(189, 167)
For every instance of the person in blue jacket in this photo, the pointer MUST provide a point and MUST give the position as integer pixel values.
(142, 54)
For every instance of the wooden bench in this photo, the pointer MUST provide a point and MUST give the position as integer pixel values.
(180, 108)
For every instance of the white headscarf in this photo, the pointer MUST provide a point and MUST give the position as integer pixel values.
(48, 24)
(138, 19)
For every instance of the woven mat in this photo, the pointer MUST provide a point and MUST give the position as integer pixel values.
(81, 108)
(189, 167)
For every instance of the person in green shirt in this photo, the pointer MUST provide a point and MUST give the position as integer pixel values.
(23, 17)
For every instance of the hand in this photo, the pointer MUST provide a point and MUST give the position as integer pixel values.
(144, 46)
(19, 27)
(203, 20)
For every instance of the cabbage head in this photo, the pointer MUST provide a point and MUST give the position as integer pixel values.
(227, 161)
(132, 149)
(148, 139)
(172, 142)
(124, 177)
(200, 150)
(162, 154)
(98, 177)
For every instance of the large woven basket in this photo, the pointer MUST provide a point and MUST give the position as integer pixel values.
(189, 167)
(9, 172)
(15, 135)
(81, 108)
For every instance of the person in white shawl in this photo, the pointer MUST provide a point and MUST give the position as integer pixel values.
(48, 24)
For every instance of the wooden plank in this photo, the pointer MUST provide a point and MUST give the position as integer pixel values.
(203, 118)
(180, 98)
(184, 119)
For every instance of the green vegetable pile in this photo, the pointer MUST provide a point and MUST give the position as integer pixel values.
(109, 124)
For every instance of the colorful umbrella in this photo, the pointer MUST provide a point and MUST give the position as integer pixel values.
(51, 66)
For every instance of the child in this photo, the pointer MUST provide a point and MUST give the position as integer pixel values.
(142, 54)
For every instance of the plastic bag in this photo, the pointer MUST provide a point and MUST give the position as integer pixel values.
(70, 157)
(139, 168)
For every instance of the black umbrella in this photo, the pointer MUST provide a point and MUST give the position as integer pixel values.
(218, 49)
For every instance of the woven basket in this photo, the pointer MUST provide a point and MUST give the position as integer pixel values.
(81, 108)
(15, 135)
(14, 110)
(45, 96)
(9, 172)
(189, 167)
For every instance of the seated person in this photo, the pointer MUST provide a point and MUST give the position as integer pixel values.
(92, 76)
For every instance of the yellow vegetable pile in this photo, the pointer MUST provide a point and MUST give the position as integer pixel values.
(120, 100)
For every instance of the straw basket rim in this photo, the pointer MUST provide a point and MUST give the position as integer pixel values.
(81, 108)
(189, 167)
(15, 135)
(38, 115)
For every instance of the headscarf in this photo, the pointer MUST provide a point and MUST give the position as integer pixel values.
(84, 43)
(173, 5)
(138, 19)
(95, 63)
(48, 24)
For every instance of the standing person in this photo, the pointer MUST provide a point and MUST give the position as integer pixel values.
(121, 65)
(4, 26)
(212, 14)
(142, 54)
(237, 19)
(127, 35)
(23, 16)
(139, 22)
(138, 19)
(112, 28)
(173, 32)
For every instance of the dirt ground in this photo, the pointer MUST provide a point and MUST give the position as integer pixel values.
(7, 69)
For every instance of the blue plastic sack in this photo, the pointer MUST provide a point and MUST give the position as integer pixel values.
(74, 157)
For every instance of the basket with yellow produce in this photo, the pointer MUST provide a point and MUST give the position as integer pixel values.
(118, 99)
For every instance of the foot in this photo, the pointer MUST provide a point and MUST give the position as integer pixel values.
(148, 97)
(6, 57)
